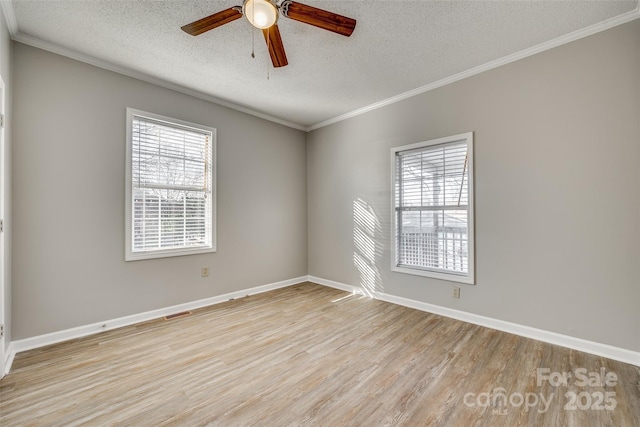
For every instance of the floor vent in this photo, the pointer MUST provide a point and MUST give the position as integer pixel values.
(176, 315)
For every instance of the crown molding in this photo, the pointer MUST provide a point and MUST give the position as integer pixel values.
(9, 17)
(91, 60)
(14, 32)
(559, 41)
(12, 25)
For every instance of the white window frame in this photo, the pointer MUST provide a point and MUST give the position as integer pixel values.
(468, 278)
(130, 255)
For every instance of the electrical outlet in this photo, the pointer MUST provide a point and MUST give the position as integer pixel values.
(205, 271)
(456, 292)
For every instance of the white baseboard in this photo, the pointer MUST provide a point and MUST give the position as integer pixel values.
(599, 349)
(604, 350)
(94, 328)
(336, 285)
(9, 355)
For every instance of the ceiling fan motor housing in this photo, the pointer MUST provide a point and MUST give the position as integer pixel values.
(284, 7)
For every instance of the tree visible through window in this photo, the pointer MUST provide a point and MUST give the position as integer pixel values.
(433, 208)
(172, 196)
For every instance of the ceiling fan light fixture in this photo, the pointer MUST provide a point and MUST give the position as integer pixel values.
(260, 13)
(263, 14)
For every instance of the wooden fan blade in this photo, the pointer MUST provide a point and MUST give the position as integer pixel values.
(320, 18)
(210, 22)
(276, 48)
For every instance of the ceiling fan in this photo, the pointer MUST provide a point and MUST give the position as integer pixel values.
(263, 14)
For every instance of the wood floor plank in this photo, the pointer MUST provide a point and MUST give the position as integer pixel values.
(307, 355)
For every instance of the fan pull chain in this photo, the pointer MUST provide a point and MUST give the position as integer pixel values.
(268, 50)
(253, 43)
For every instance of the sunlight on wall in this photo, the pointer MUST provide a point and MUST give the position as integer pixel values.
(367, 248)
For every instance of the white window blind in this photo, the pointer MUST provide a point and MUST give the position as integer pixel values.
(172, 194)
(433, 208)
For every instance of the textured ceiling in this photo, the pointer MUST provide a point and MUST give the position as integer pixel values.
(397, 46)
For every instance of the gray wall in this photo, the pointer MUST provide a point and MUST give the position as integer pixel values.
(69, 160)
(557, 149)
(557, 193)
(6, 56)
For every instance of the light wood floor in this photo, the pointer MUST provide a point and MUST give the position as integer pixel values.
(306, 355)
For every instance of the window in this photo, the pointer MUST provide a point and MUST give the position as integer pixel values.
(433, 208)
(170, 197)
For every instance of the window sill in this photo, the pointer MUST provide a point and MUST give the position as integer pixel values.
(136, 256)
(467, 278)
